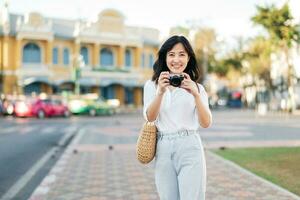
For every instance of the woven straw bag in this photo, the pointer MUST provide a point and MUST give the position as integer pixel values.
(146, 143)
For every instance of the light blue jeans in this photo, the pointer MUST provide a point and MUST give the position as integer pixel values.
(180, 168)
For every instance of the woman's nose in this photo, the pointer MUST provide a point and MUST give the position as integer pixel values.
(176, 58)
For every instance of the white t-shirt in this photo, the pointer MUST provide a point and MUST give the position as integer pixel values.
(177, 109)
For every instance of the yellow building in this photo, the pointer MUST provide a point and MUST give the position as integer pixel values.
(39, 54)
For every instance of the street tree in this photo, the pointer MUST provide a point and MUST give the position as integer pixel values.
(257, 55)
(205, 48)
(283, 33)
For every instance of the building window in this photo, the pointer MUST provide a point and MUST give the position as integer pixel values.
(84, 52)
(143, 60)
(108, 92)
(31, 53)
(106, 57)
(128, 58)
(151, 60)
(66, 56)
(55, 55)
(129, 98)
(33, 87)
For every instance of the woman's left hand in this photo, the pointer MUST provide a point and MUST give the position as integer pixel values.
(189, 85)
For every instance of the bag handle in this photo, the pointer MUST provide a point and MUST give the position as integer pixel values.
(150, 123)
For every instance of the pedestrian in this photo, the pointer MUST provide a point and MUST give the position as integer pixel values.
(179, 107)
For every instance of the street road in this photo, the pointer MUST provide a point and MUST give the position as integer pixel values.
(24, 148)
(25, 142)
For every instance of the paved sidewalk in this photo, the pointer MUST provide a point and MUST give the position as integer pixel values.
(97, 172)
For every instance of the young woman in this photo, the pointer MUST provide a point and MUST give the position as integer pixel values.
(178, 112)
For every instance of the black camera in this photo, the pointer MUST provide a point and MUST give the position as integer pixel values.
(175, 80)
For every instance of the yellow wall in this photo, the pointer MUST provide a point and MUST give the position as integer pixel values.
(11, 58)
(1, 57)
(61, 70)
(10, 85)
(95, 55)
(120, 56)
(7, 53)
(61, 44)
(8, 64)
(137, 57)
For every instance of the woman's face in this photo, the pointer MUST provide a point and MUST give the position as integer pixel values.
(177, 59)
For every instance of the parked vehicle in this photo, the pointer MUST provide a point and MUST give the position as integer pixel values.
(235, 100)
(8, 107)
(40, 108)
(91, 107)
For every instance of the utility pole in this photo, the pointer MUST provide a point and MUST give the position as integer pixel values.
(77, 66)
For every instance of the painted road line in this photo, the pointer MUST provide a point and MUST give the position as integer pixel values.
(48, 130)
(19, 185)
(227, 134)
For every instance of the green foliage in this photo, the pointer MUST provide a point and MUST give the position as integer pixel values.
(278, 23)
(219, 68)
(258, 58)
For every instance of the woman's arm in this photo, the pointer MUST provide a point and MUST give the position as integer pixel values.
(204, 114)
(153, 108)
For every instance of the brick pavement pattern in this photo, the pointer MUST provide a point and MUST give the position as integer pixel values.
(97, 172)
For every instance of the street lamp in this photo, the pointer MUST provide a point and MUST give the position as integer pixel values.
(77, 67)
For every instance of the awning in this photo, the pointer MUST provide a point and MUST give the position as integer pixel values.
(129, 82)
(88, 82)
(36, 79)
(62, 81)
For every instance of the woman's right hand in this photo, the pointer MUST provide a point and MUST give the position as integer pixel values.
(163, 82)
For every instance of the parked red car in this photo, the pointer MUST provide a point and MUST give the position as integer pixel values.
(41, 108)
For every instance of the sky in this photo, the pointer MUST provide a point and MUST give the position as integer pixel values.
(230, 18)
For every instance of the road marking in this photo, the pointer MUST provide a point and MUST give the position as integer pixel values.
(229, 127)
(48, 130)
(8, 130)
(70, 128)
(19, 185)
(26, 130)
(226, 134)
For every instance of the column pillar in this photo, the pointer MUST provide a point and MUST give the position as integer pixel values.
(96, 55)
(137, 96)
(120, 94)
(49, 47)
(137, 56)
(120, 60)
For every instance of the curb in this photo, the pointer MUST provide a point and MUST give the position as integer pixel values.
(45, 186)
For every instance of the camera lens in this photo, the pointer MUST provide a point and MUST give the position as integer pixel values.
(175, 80)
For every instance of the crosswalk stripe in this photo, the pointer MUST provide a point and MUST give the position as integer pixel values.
(49, 130)
(7, 130)
(37, 129)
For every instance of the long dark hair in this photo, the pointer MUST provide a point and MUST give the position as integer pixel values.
(160, 64)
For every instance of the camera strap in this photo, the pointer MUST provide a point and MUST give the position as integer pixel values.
(197, 87)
